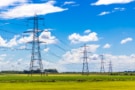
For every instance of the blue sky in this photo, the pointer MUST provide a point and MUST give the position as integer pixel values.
(106, 26)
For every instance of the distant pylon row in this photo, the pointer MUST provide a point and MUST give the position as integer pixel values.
(85, 68)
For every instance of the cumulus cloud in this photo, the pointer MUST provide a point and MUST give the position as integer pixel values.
(92, 48)
(75, 55)
(69, 2)
(119, 9)
(74, 59)
(121, 62)
(46, 49)
(124, 41)
(5, 3)
(87, 31)
(19, 64)
(13, 42)
(107, 45)
(2, 57)
(77, 38)
(113, 11)
(23, 64)
(45, 37)
(108, 2)
(10, 43)
(25, 39)
(29, 9)
(104, 13)
(2, 42)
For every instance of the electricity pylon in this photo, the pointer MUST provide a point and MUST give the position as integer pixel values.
(110, 67)
(85, 69)
(36, 60)
(102, 69)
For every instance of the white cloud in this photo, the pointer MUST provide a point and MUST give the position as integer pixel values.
(92, 48)
(2, 42)
(47, 38)
(104, 13)
(46, 49)
(69, 2)
(87, 31)
(22, 47)
(10, 43)
(75, 55)
(107, 46)
(119, 62)
(53, 65)
(113, 11)
(77, 38)
(2, 57)
(124, 41)
(108, 2)
(5, 3)
(19, 64)
(13, 42)
(25, 39)
(119, 9)
(28, 10)
(74, 59)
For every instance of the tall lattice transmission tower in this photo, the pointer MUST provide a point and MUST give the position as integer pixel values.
(36, 60)
(85, 69)
(110, 67)
(102, 69)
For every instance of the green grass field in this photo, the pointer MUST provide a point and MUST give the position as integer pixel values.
(117, 85)
(66, 82)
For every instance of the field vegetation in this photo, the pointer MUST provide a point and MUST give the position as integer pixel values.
(67, 82)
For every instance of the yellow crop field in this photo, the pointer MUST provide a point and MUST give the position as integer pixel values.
(66, 82)
(117, 85)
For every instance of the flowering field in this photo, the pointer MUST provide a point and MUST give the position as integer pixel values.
(67, 82)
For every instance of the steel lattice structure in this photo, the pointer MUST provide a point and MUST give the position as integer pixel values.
(102, 69)
(36, 60)
(85, 69)
(110, 67)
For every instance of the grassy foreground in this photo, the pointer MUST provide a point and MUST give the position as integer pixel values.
(66, 82)
(117, 85)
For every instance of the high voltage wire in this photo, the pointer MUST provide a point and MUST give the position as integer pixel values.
(62, 41)
(14, 33)
(56, 45)
(54, 54)
(4, 23)
(60, 47)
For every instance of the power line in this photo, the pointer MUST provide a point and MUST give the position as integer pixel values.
(60, 47)
(63, 42)
(8, 31)
(54, 54)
